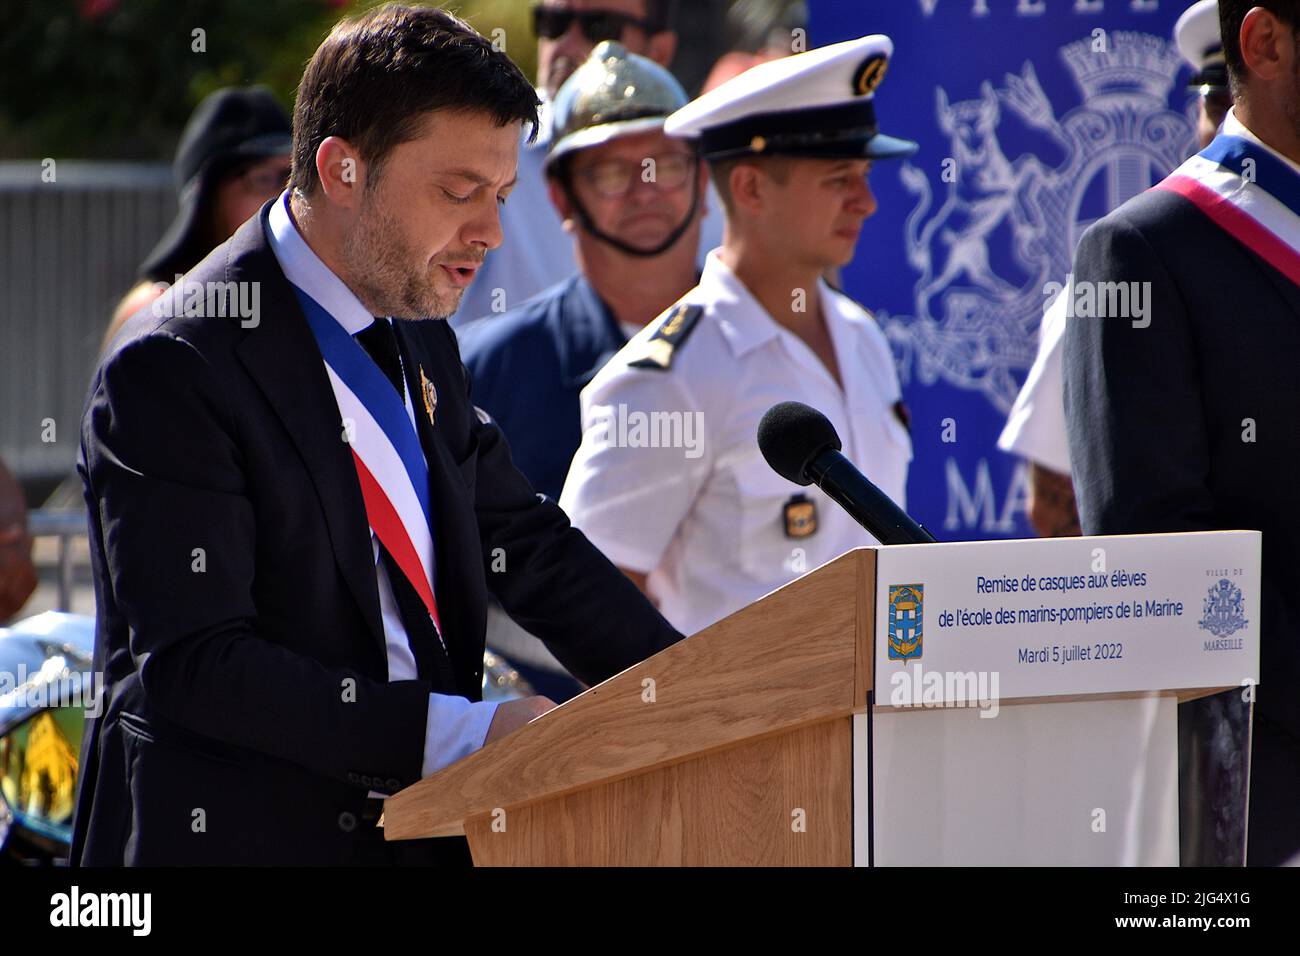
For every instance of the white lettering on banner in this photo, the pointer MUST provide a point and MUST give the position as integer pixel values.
(976, 299)
(977, 508)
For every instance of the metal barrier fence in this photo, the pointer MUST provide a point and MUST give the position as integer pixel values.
(66, 526)
(69, 249)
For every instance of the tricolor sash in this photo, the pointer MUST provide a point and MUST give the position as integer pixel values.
(391, 468)
(1250, 193)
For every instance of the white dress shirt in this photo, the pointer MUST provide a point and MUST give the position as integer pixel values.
(1234, 127)
(456, 727)
(1035, 427)
(707, 524)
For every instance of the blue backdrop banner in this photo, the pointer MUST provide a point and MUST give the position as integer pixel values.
(1035, 118)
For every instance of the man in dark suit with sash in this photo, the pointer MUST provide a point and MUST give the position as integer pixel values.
(1184, 417)
(296, 512)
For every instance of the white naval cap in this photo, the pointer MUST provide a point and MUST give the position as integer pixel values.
(818, 103)
(1197, 36)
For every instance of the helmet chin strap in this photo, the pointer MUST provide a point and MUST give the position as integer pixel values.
(584, 220)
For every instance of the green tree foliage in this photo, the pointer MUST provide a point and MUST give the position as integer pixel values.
(117, 79)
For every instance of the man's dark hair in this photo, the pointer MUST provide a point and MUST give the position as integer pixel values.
(376, 76)
(1231, 13)
(777, 166)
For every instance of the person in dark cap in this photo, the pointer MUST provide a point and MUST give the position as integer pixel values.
(233, 156)
(688, 509)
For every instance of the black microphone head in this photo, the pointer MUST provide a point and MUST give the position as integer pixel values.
(791, 435)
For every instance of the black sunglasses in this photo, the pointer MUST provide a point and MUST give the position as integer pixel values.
(551, 23)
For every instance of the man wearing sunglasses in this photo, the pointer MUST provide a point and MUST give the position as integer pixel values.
(632, 198)
(535, 252)
(568, 30)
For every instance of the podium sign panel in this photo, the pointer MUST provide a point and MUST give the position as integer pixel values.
(968, 767)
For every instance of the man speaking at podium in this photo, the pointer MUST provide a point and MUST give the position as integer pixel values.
(297, 514)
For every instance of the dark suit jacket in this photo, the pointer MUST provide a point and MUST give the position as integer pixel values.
(247, 708)
(1157, 415)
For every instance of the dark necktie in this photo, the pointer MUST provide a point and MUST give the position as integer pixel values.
(431, 661)
(380, 342)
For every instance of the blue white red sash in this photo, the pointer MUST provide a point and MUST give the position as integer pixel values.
(1250, 193)
(391, 468)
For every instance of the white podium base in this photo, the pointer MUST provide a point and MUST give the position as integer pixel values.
(1092, 783)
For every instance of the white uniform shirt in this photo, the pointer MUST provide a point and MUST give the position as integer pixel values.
(1035, 427)
(705, 520)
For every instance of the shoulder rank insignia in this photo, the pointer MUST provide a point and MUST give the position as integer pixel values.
(800, 516)
(657, 352)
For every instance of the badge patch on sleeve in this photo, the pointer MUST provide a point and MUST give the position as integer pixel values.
(657, 352)
(800, 514)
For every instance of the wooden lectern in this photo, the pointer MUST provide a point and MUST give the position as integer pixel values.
(742, 745)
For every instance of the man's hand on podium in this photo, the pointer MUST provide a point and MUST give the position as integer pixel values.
(513, 714)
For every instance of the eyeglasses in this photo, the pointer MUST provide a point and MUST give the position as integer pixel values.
(551, 23)
(268, 182)
(613, 178)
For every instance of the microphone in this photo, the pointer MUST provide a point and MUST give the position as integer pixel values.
(802, 446)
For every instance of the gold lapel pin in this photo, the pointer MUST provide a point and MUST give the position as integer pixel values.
(430, 394)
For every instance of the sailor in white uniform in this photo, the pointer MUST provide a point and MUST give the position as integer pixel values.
(668, 480)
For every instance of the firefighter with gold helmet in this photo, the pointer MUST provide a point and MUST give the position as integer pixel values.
(633, 200)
